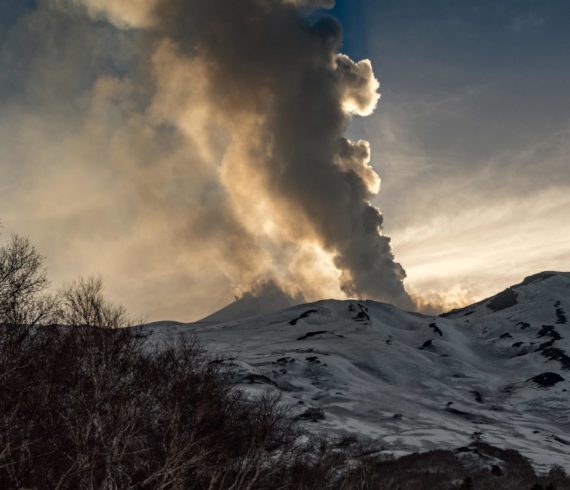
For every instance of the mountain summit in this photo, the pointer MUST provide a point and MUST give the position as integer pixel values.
(496, 371)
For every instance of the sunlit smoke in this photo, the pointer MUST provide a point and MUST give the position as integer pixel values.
(432, 302)
(222, 155)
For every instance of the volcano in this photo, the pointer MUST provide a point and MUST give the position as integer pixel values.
(497, 371)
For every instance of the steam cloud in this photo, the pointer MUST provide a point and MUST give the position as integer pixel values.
(232, 134)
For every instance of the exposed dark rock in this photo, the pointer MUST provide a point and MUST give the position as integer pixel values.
(312, 414)
(549, 331)
(426, 344)
(506, 336)
(478, 396)
(436, 329)
(312, 334)
(362, 317)
(476, 436)
(561, 318)
(523, 325)
(555, 354)
(504, 300)
(547, 380)
(560, 440)
(547, 349)
(466, 310)
(475, 418)
(257, 379)
(538, 277)
(283, 361)
(306, 314)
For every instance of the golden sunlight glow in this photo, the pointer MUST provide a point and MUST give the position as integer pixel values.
(469, 254)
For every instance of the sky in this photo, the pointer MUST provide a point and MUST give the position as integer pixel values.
(116, 160)
(471, 137)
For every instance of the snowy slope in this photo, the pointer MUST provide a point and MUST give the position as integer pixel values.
(268, 299)
(498, 370)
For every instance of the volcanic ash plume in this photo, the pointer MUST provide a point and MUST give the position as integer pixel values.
(266, 98)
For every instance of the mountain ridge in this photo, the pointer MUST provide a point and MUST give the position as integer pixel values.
(496, 371)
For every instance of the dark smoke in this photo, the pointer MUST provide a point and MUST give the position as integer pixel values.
(196, 149)
(265, 57)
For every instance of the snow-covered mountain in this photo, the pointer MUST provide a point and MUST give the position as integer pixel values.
(268, 298)
(498, 370)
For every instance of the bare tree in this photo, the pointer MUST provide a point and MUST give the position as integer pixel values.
(23, 283)
(82, 303)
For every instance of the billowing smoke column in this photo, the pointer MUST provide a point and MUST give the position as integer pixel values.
(277, 96)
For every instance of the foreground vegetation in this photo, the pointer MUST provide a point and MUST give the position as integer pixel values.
(88, 403)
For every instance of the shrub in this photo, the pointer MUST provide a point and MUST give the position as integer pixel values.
(86, 407)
